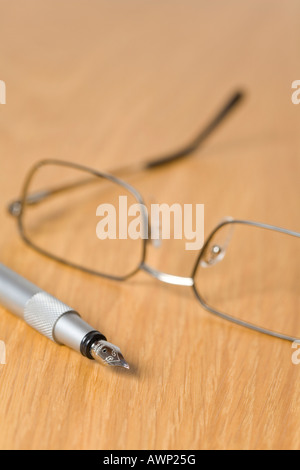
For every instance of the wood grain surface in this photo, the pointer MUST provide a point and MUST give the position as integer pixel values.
(113, 83)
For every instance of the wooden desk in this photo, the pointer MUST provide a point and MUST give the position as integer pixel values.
(109, 83)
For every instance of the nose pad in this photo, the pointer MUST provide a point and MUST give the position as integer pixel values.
(216, 249)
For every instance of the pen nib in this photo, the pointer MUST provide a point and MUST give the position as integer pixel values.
(108, 354)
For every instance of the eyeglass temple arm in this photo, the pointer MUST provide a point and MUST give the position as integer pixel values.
(200, 138)
(14, 207)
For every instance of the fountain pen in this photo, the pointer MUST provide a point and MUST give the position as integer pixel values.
(55, 320)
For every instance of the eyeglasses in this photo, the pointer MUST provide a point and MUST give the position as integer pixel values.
(248, 269)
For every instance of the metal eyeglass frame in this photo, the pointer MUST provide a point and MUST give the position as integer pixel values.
(17, 209)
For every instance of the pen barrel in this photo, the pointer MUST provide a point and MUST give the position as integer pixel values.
(43, 312)
(15, 291)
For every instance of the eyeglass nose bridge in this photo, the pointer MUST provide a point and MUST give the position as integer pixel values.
(168, 278)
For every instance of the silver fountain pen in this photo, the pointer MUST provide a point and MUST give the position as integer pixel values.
(54, 319)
